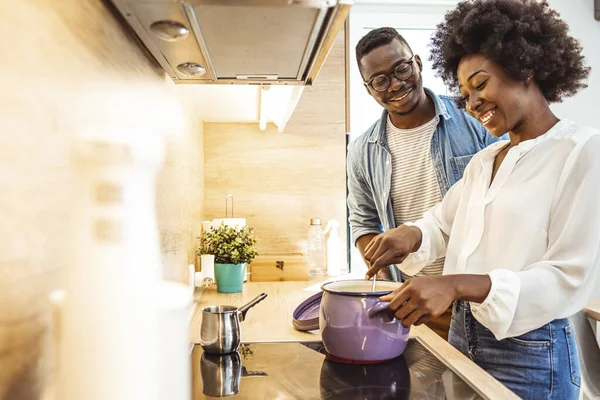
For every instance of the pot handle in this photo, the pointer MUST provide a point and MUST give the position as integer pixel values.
(246, 373)
(378, 307)
(244, 309)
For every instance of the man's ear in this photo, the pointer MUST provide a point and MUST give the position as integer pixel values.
(364, 84)
(419, 62)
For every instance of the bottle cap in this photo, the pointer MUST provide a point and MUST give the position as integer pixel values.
(315, 221)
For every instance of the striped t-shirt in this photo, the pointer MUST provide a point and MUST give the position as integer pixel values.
(415, 187)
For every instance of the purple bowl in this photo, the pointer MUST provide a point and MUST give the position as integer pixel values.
(355, 325)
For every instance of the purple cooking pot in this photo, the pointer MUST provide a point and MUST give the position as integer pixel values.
(356, 326)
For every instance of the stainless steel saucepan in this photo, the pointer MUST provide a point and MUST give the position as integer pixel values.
(220, 329)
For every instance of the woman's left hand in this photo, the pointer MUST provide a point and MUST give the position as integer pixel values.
(421, 299)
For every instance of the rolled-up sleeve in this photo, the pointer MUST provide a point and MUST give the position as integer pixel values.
(560, 284)
(362, 212)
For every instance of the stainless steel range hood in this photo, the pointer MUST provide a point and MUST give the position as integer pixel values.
(237, 41)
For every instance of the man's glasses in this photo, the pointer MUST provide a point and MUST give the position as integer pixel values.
(382, 82)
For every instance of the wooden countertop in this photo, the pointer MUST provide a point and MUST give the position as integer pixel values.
(271, 321)
(593, 310)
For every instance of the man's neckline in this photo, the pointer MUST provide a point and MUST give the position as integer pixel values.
(432, 121)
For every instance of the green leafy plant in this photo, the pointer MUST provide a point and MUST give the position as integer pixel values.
(229, 245)
(245, 351)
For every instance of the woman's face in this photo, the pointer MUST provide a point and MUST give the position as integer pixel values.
(491, 96)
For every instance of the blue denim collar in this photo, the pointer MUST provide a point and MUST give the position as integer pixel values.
(379, 131)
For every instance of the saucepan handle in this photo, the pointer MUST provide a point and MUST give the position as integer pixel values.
(244, 309)
(379, 307)
(246, 373)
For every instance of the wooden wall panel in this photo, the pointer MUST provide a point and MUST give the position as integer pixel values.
(282, 180)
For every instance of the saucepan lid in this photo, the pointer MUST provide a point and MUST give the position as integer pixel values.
(306, 315)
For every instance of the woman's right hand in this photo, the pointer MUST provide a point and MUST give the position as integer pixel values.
(391, 247)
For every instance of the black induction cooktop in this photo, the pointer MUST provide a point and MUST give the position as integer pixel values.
(277, 371)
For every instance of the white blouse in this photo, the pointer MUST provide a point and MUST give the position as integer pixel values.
(535, 230)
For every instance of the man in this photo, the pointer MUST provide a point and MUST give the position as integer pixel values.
(408, 159)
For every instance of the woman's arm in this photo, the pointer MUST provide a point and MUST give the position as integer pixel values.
(413, 246)
(425, 298)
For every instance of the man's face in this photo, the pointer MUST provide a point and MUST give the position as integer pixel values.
(402, 96)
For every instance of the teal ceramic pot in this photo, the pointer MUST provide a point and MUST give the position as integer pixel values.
(230, 277)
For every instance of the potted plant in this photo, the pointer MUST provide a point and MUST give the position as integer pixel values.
(234, 248)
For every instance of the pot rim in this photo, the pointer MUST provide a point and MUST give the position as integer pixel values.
(355, 294)
(226, 309)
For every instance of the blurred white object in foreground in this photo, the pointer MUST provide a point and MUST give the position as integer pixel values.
(113, 340)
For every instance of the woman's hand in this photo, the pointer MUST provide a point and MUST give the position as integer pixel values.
(391, 247)
(422, 299)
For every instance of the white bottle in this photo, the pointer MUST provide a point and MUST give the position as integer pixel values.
(110, 331)
(316, 249)
(334, 249)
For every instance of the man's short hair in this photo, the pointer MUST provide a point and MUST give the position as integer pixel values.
(377, 38)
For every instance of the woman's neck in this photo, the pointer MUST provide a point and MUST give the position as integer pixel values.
(540, 119)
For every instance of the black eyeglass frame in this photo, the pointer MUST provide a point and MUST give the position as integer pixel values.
(410, 63)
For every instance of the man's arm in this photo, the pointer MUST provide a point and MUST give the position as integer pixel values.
(362, 211)
(363, 217)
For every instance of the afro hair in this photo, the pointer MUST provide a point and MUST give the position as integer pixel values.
(525, 37)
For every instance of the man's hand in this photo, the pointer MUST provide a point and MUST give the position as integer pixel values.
(422, 299)
(391, 247)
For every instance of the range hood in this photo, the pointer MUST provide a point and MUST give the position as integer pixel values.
(281, 42)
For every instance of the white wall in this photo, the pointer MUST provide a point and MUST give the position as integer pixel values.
(583, 107)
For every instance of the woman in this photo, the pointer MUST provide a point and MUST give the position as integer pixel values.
(521, 230)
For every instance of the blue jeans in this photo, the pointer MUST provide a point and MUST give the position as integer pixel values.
(541, 364)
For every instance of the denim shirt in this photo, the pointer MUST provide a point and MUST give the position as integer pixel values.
(455, 140)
